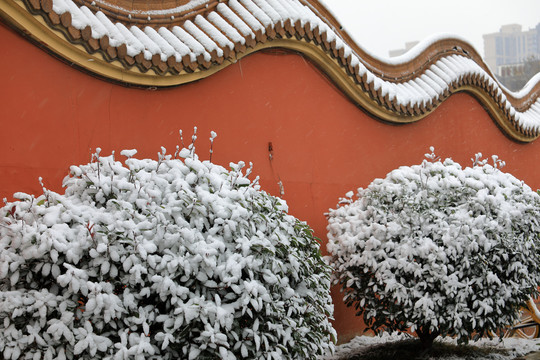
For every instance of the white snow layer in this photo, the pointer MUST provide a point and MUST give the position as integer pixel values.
(437, 241)
(171, 256)
(232, 22)
(515, 347)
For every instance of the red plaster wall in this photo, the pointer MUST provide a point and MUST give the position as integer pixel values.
(53, 116)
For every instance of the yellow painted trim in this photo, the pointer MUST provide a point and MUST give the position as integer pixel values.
(343, 81)
(34, 26)
(496, 113)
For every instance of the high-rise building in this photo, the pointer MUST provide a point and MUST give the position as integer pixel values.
(511, 46)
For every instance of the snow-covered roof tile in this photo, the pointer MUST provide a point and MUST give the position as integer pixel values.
(287, 9)
(134, 45)
(442, 72)
(226, 28)
(417, 95)
(166, 48)
(259, 14)
(437, 76)
(404, 94)
(98, 30)
(78, 19)
(209, 44)
(426, 87)
(454, 69)
(60, 7)
(181, 48)
(237, 23)
(156, 39)
(148, 43)
(245, 15)
(196, 47)
(115, 37)
(270, 10)
(216, 35)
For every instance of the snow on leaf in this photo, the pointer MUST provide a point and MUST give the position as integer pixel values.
(434, 245)
(165, 259)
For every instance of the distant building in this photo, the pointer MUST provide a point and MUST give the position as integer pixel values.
(511, 46)
(408, 46)
(515, 76)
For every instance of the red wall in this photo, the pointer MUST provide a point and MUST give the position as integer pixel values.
(54, 116)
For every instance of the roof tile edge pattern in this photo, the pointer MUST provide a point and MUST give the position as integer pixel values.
(232, 29)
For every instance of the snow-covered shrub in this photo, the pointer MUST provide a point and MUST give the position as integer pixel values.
(168, 259)
(438, 248)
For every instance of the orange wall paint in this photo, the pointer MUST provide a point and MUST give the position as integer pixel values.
(53, 116)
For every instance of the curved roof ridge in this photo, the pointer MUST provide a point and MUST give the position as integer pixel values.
(216, 33)
(147, 13)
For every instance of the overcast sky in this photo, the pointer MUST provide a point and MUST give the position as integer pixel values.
(383, 25)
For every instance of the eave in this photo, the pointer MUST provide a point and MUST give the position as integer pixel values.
(216, 36)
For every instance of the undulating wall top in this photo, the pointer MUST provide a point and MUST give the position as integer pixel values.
(172, 42)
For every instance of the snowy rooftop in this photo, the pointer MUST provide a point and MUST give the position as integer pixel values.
(183, 40)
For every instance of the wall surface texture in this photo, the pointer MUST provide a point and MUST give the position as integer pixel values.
(323, 145)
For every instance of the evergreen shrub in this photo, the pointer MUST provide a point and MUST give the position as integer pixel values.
(170, 259)
(438, 248)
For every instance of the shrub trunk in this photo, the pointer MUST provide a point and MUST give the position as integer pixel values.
(426, 337)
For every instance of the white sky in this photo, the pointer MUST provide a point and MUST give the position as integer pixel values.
(382, 25)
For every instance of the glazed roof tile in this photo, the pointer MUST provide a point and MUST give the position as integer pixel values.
(182, 41)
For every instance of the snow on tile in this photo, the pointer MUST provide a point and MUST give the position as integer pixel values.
(98, 30)
(134, 46)
(445, 72)
(115, 36)
(202, 38)
(246, 16)
(414, 95)
(78, 19)
(283, 13)
(164, 46)
(437, 88)
(226, 28)
(235, 20)
(534, 109)
(195, 46)
(181, 48)
(287, 9)
(309, 16)
(330, 35)
(449, 61)
(438, 76)
(269, 10)
(212, 32)
(377, 83)
(369, 77)
(60, 6)
(260, 15)
(149, 45)
(431, 94)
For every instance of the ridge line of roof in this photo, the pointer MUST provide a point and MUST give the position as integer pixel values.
(233, 29)
(155, 17)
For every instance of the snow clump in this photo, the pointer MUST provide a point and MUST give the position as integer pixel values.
(437, 248)
(167, 259)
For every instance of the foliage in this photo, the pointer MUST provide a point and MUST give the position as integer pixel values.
(438, 248)
(515, 77)
(167, 259)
